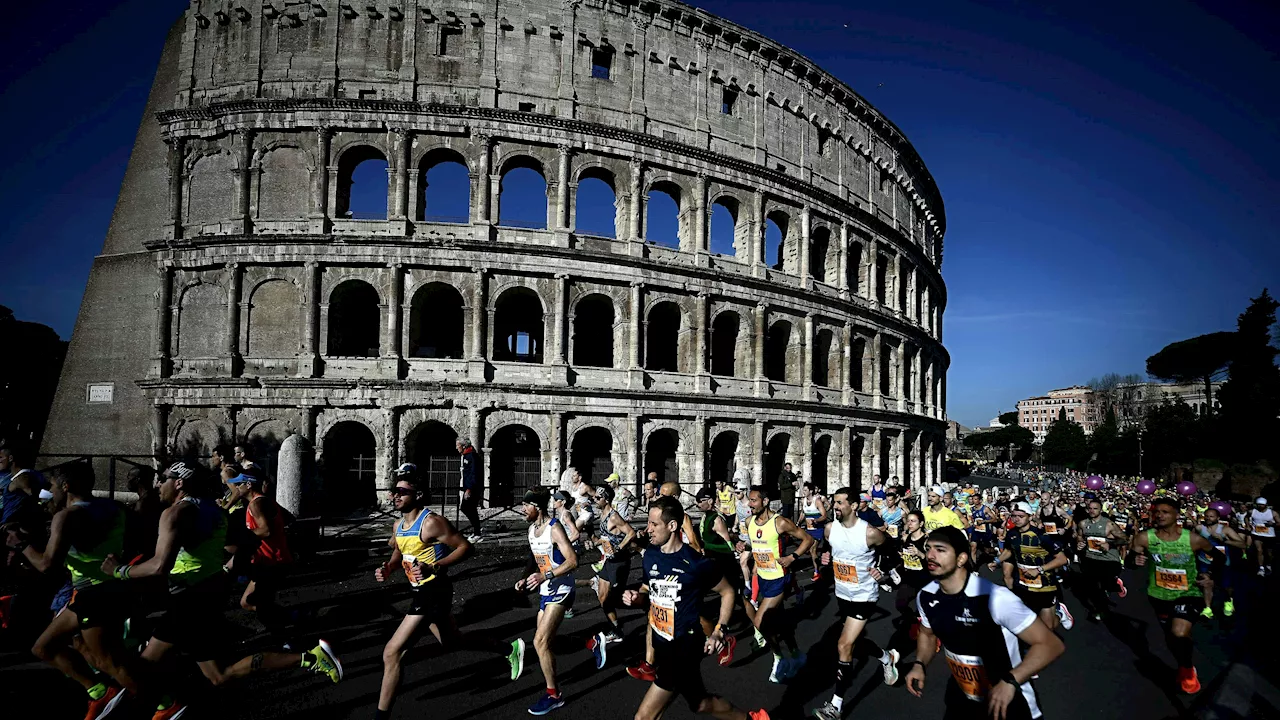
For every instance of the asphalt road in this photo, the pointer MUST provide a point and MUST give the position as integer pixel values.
(1120, 669)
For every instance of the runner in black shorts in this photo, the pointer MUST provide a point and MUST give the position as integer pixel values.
(1031, 559)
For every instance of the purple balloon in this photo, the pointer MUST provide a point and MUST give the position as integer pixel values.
(1094, 482)
(1146, 487)
(1222, 506)
(1186, 487)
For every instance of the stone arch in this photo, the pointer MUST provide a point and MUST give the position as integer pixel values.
(265, 437)
(594, 319)
(354, 320)
(273, 328)
(348, 467)
(826, 359)
(664, 326)
(822, 255)
(519, 325)
(779, 360)
(362, 161)
(662, 453)
(860, 364)
(515, 463)
(522, 189)
(722, 456)
(436, 322)
(781, 252)
(202, 317)
(729, 228)
(448, 199)
(431, 445)
(825, 451)
(665, 221)
(777, 452)
(593, 180)
(210, 187)
(194, 440)
(283, 182)
(591, 451)
(727, 328)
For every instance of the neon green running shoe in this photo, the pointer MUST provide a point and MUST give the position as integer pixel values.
(1229, 608)
(1207, 613)
(516, 658)
(321, 659)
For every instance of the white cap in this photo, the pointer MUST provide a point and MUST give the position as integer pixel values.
(406, 469)
(45, 496)
(936, 490)
(1022, 507)
(1260, 501)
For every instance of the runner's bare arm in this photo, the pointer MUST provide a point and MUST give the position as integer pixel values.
(722, 530)
(382, 572)
(1202, 544)
(1044, 648)
(628, 533)
(692, 534)
(438, 528)
(561, 539)
(785, 526)
(263, 528)
(55, 550)
(1235, 539)
(631, 598)
(167, 544)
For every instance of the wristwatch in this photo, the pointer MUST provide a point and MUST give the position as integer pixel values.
(923, 667)
(1009, 678)
(550, 575)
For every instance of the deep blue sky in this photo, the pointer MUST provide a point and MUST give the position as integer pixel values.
(1109, 171)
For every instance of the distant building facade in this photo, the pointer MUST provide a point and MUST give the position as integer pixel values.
(1137, 399)
(1078, 403)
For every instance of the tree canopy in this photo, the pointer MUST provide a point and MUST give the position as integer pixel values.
(1203, 358)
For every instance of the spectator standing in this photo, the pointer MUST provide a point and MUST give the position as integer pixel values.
(472, 488)
(787, 491)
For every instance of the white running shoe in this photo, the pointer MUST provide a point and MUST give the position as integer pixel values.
(1064, 617)
(891, 668)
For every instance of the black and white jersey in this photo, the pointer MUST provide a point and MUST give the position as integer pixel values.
(978, 629)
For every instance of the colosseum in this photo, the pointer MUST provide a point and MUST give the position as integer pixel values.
(758, 283)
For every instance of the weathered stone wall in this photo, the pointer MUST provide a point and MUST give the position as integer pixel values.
(260, 308)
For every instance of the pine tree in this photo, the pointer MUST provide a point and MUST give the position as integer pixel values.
(1251, 396)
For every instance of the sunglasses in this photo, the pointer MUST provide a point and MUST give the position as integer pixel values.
(402, 491)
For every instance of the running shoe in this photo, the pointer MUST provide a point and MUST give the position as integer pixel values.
(760, 714)
(1262, 571)
(1065, 617)
(1207, 613)
(726, 653)
(568, 613)
(1188, 680)
(891, 668)
(827, 712)
(6, 605)
(612, 637)
(761, 643)
(778, 671)
(103, 706)
(643, 671)
(1123, 590)
(817, 576)
(546, 704)
(796, 664)
(173, 712)
(597, 566)
(325, 661)
(596, 644)
(516, 658)
(1095, 617)
(1229, 608)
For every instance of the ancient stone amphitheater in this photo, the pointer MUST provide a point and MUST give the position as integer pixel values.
(759, 282)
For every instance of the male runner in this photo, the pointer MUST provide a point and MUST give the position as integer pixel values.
(1035, 555)
(1170, 551)
(617, 541)
(1262, 524)
(982, 535)
(264, 521)
(854, 546)
(1100, 540)
(676, 580)
(1222, 535)
(765, 530)
(724, 499)
(1053, 519)
(814, 509)
(550, 569)
(423, 545)
(937, 515)
(82, 534)
(190, 555)
(981, 626)
(892, 514)
(718, 546)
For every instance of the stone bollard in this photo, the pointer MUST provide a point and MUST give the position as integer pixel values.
(290, 471)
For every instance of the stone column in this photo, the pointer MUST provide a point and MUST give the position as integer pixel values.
(562, 190)
(806, 358)
(877, 449)
(390, 444)
(897, 444)
(244, 176)
(699, 451)
(806, 460)
(482, 182)
(846, 363)
(877, 347)
(559, 369)
(806, 237)
(159, 432)
(635, 188)
(177, 170)
(635, 367)
(161, 337)
(476, 354)
(842, 263)
(555, 440)
(395, 311)
(872, 284)
(290, 466)
(761, 382)
(632, 475)
(402, 147)
(320, 195)
(895, 302)
(700, 336)
(757, 236)
(310, 366)
(234, 275)
(846, 461)
(757, 465)
(701, 237)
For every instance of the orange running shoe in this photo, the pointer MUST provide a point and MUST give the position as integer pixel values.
(1188, 680)
(173, 712)
(643, 671)
(103, 706)
(760, 714)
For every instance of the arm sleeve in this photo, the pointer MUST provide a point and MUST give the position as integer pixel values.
(1008, 611)
(924, 617)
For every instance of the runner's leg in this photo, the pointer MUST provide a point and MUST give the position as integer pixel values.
(392, 655)
(548, 623)
(54, 647)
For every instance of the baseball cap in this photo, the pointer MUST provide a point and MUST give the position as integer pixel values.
(1022, 507)
(937, 490)
(405, 469)
(563, 497)
(705, 493)
(605, 492)
(179, 470)
(865, 497)
(1260, 501)
(613, 479)
(247, 475)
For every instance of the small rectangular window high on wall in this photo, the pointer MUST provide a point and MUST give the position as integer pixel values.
(728, 98)
(450, 41)
(601, 63)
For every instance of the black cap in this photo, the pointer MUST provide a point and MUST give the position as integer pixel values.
(705, 493)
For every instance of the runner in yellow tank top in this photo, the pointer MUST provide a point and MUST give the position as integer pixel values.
(765, 531)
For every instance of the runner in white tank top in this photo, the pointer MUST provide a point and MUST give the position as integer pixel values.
(854, 544)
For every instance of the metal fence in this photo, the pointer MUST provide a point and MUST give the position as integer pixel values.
(115, 467)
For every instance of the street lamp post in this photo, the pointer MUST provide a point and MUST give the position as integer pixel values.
(1139, 453)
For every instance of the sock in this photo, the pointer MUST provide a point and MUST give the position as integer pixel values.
(844, 679)
(553, 692)
(307, 661)
(837, 702)
(381, 715)
(1181, 649)
(97, 692)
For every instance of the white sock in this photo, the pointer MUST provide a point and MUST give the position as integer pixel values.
(837, 702)
(885, 657)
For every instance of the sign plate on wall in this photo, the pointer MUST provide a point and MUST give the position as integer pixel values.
(102, 392)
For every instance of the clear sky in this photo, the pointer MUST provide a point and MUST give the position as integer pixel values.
(1109, 170)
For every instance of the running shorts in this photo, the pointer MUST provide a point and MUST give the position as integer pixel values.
(1184, 608)
(729, 568)
(559, 595)
(615, 570)
(432, 600)
(1037, 601)
(192, 619)
(818, 534)
(267, 579)
(856, 610)
(676, 667)
(960, 707)
(101, 605)
(770, 588)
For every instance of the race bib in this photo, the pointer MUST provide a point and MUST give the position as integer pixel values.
(606, 547)
(1264, 530)
(406, 563)
(544, 563)
(891, 530)
(912, 562)
(969, 675)
(808, 524)
(979, 526)
(1171, 578)
(1095, 544)
(765, 560)
(1027, 579)
(663, 596)
(845, 572)
(1050, 527)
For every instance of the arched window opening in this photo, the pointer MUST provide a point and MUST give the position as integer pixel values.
(522, 196)
(518, 326)
(593, 321)
(775, 457)
(444, 188)
(775, 238)
(515, 464)
(362, 184)
(724, 344)
(818, 474)
(724, 227)
(662, 338)
(819, 248)
(432, 447)
(436, 327)
(597, 205)
(857, 365)
(724, 453)
(853, 268)
(908, 357)
(354, 320)
(662, 215)
(660, 455)
(886, 368)
(202, 321)
(592, 454)
(348, 469)
(882, 278)
(822, 343)
(274, 320)
(777, 345)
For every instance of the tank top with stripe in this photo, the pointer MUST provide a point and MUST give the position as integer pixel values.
(413, 549)
(766, 547)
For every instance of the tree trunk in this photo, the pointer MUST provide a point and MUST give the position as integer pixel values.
(1208, 394)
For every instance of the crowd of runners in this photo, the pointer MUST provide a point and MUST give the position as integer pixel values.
(712, 573)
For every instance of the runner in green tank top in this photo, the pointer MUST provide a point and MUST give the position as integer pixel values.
(1169, 550)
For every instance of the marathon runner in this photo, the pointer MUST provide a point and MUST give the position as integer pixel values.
(892, 514)
(1035, 555)
(550, 569)
(717, 545)
(980, 625)
(616, 540)
(854, 547)
(676, 579)
(1053, 519)
(190, 554)
(724, 500)
(1170, 551)
(814, 509)
(766, 531)
(982, 536)
(936, 515)
(83, 533)
(1100, 541)
(1220, 533)
(270, 560)
(423, 545)
(1262, 524)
